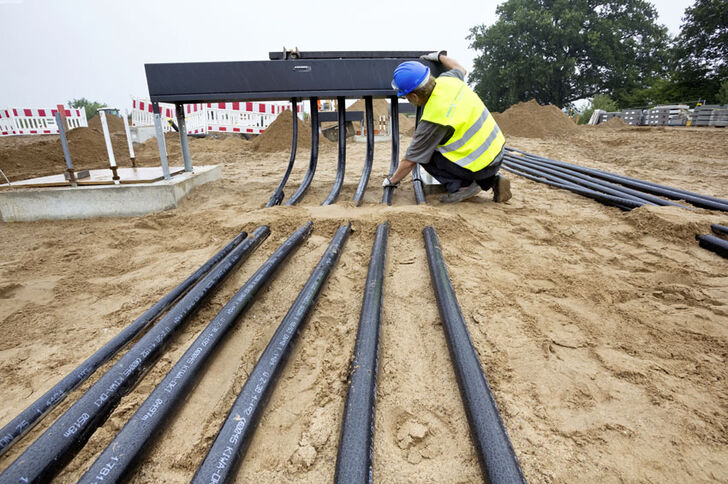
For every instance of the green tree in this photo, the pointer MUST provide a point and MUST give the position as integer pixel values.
(600, 101)
(91, 107)
(558, 51)
(700, 53)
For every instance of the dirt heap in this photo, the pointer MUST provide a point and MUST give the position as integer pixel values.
(381, 108)
(116, 124)
(531, 120)
(406, 125)
(614, 124)
(277, 136)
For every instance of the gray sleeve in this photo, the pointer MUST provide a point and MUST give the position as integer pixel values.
(453, 73)
(426, 138)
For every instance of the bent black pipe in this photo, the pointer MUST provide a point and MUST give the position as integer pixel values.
(354, 459)
(417, 184)
(696, 199)
(367, 170)
(564, 177)
(719, 229)
(618, 202)
(234, 437)
(713, 243)
(308, 177)
(29, 417)
(497, 458)
(62, 440)
(394, 120)
(278, 194)
(341, 166)
(600, 184)
(119, 456)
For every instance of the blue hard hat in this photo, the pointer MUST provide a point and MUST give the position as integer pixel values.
(408, 76)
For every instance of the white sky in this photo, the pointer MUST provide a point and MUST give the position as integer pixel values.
(54, 50)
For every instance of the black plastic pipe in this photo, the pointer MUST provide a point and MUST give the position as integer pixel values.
(719, 229)
(308, 177)
(598, 184)
(369, 161)
(232, 441)
(341, 164)
(29, 417)
(278, 194)
(493, 446)
(539, 170)
(61, 441)
(119, 456)
(625, 177)
(354, 459)
(696, 199)
(394, 125)
(618, 202)
(417, 184)
(713, 243)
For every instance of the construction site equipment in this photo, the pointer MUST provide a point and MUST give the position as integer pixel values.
(496, 455)
(369, 160)
(29, 417)
(417, 184)
(354, 458)
(119, 456)
(107, 139)
(341, 164)
(70, 174)
(710, 115)
(234, 437)
(278, 194)
(26, 121)
(394, 116)
(60, 442)
(310, 75)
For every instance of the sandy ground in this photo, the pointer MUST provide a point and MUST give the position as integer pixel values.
(603, 333)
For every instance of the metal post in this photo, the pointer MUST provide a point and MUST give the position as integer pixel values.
(109, 149)
(160, 140)
(66, 152)
(182, 125)
(132, 158)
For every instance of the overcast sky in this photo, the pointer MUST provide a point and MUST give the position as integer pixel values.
(53, 51)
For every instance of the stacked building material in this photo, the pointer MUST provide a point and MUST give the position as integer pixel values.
(710, 115)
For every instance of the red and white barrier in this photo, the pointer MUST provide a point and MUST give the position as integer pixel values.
(24, 121)
(232, 117)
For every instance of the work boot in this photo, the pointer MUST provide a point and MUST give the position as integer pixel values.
(462, 194)
(501, 189)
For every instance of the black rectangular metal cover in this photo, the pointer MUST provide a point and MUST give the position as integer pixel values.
(271, 80)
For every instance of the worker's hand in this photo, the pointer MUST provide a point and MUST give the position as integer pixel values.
(433, 56)
(387, 183)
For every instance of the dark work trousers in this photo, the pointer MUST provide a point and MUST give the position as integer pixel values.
(454, 177)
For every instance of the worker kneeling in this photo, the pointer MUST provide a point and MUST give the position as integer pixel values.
(457, 140)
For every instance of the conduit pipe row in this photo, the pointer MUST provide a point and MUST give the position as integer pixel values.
(119, 456)
(278, 194)
(29, 417)
(61, 441)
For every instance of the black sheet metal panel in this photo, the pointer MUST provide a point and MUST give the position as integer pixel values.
(29, 417)
(193, 82)
(351, 54)
(332, 116)
(493, 446)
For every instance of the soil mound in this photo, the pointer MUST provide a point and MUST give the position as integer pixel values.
(381, 108)
(277, 136)
(406, 125)
(531, 120)
(614, 124)
(116, 124)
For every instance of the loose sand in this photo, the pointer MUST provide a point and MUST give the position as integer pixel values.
(604, 334)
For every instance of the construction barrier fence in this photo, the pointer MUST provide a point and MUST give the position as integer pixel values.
(25, 121)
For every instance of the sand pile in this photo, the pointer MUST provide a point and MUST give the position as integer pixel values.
(406, 125)
(381, 108)
(613, 124)
(277, 137)
(531, 120)
(116, 124)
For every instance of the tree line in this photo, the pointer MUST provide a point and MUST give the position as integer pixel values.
(560, 51)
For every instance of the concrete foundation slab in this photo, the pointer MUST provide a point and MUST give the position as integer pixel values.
(28, 205)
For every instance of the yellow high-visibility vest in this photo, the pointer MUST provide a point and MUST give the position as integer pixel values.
(477, 140)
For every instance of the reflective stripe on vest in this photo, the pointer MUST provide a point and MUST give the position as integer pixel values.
(477, 140)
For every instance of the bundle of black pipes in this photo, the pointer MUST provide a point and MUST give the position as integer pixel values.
(369, 160)
(29, 417)
(713, 243)
(495, 452)
(394, 119)
(119, 456)
(60, 442)
(233, 439)
(341, 160)
(308, 177)
(416, 176)
(278, 194)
